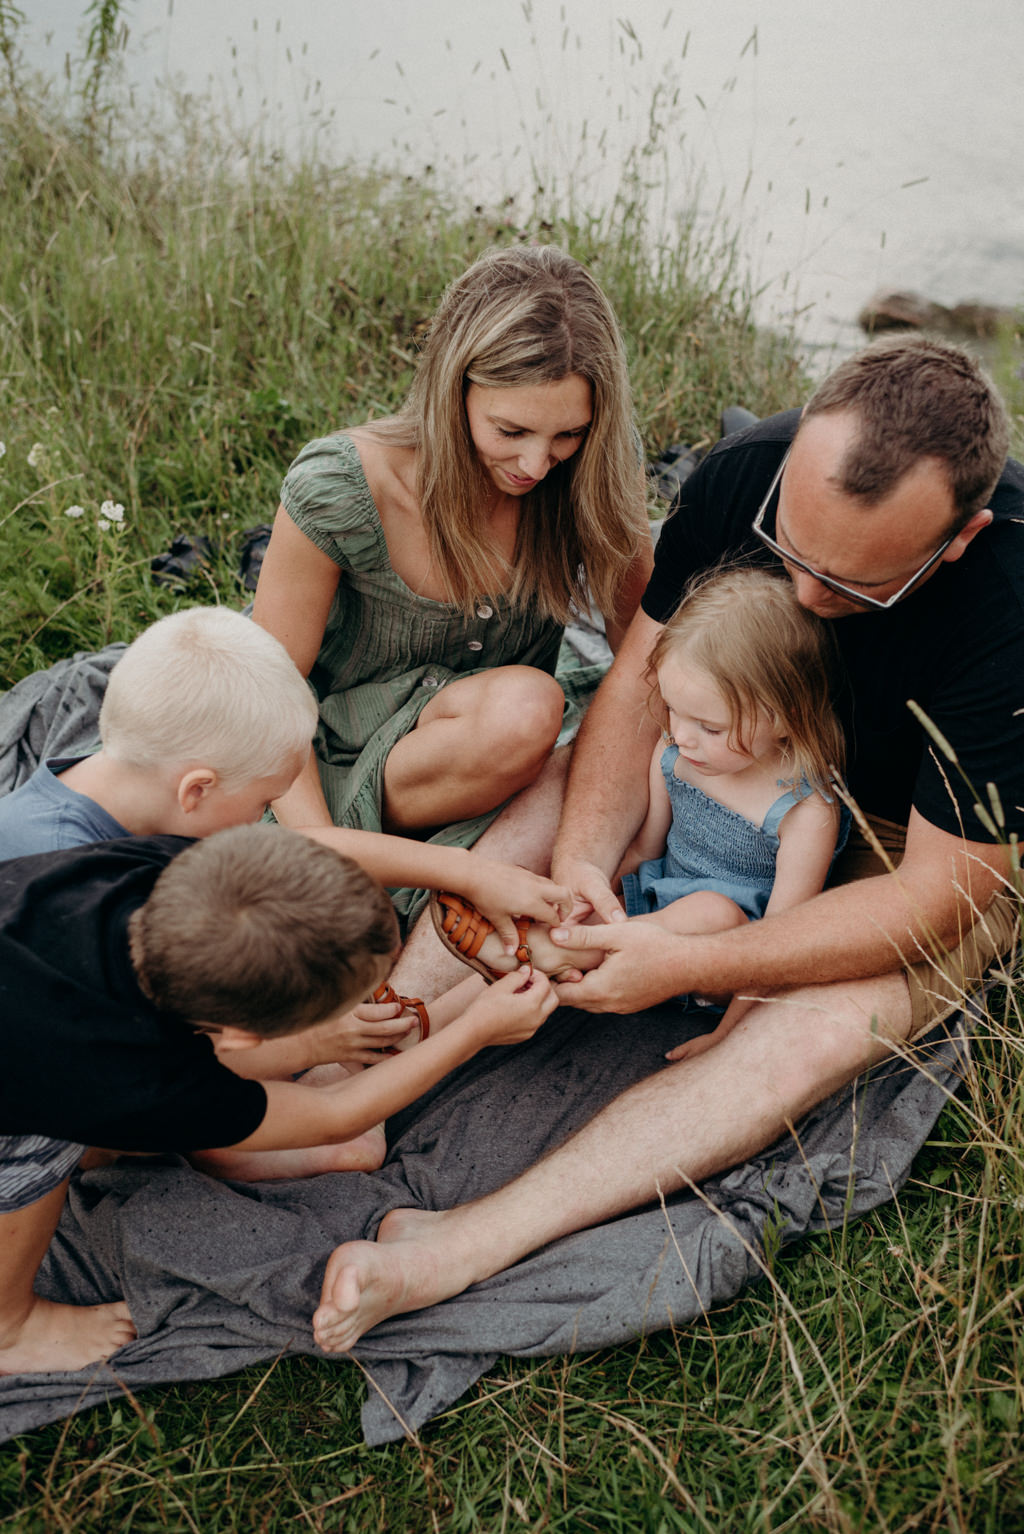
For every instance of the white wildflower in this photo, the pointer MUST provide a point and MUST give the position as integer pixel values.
(36, 454)
(103, 525)
(75, 511)
(112, 510)
(3, 448)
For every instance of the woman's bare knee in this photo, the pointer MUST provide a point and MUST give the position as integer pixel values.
(520, 716)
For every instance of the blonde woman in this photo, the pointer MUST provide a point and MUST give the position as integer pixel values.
(422, 568)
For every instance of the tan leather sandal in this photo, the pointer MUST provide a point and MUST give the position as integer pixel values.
(462, 929)
(386, 993)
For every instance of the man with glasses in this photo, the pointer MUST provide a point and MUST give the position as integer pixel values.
(889, 503)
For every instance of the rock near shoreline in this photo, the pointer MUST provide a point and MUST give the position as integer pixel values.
(910, 311)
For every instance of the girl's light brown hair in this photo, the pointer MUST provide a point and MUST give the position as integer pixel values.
(519, 317)
(766, 654)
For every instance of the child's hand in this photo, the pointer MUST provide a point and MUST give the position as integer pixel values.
(513, 1008)
(360, 1034)
(502, 890)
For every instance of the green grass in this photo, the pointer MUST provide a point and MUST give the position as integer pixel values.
(178, 314)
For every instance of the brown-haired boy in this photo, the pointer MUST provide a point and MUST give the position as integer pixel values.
(117, 961)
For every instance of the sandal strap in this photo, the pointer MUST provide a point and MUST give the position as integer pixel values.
(523, 953)
(463, 924)
(386, 994)
(467, 927)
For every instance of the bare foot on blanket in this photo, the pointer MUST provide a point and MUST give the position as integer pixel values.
(52, 1337)
(405, 1269)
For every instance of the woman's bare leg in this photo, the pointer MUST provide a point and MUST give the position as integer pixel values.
(478, 742)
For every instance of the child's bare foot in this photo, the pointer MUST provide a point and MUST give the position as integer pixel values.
(470, 936)
(543, 954)
(368, 1281)
(64, 1337)
(363, 1154)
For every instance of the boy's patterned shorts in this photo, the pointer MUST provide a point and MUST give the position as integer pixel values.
(32, 1166)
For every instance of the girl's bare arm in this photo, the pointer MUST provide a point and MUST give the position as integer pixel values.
(652, 836)
(807, 840)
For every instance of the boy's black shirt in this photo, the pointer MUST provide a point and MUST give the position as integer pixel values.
(84, 1055)
(955, 646)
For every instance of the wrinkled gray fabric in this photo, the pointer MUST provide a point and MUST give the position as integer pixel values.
(53, 713)
(218, 1276)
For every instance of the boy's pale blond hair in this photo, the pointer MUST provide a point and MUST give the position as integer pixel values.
(209, 688)
(258, 927)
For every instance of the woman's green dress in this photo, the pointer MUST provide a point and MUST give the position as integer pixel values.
(386, 651)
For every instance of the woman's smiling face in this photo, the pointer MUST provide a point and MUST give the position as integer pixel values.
(522, 433)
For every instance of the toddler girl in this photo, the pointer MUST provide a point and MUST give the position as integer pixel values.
(742, 821)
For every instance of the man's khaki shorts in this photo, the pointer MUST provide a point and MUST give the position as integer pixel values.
(939, 983)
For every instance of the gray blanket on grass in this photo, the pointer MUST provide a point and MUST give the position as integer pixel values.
(53, 713)
(222, 1275)
(219, 1276)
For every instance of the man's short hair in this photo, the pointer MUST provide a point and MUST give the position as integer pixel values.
(210, 688)
(258, 927)
(917, 398)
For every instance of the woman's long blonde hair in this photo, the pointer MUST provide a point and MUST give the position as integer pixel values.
(523, 316)
(766, 654)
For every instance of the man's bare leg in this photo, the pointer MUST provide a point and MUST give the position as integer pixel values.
(679, 1126)
(37, 1335)
(523, 833)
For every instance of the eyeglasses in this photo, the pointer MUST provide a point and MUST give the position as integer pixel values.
(826, 580)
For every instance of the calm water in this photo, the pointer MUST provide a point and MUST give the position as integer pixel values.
(856, 146)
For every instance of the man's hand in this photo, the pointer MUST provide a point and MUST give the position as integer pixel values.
(642, 965)
(592, 891)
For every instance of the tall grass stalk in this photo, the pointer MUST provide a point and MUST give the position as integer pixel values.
(179, 312)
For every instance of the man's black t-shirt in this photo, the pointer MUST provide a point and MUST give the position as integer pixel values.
(955, 646)
(84, 1055)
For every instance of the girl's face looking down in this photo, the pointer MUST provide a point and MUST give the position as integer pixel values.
(701, 724)
(520, 434)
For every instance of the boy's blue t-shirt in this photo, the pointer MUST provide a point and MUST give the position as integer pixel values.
(45, 816)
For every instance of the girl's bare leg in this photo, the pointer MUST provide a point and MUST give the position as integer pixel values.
(703, 911)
